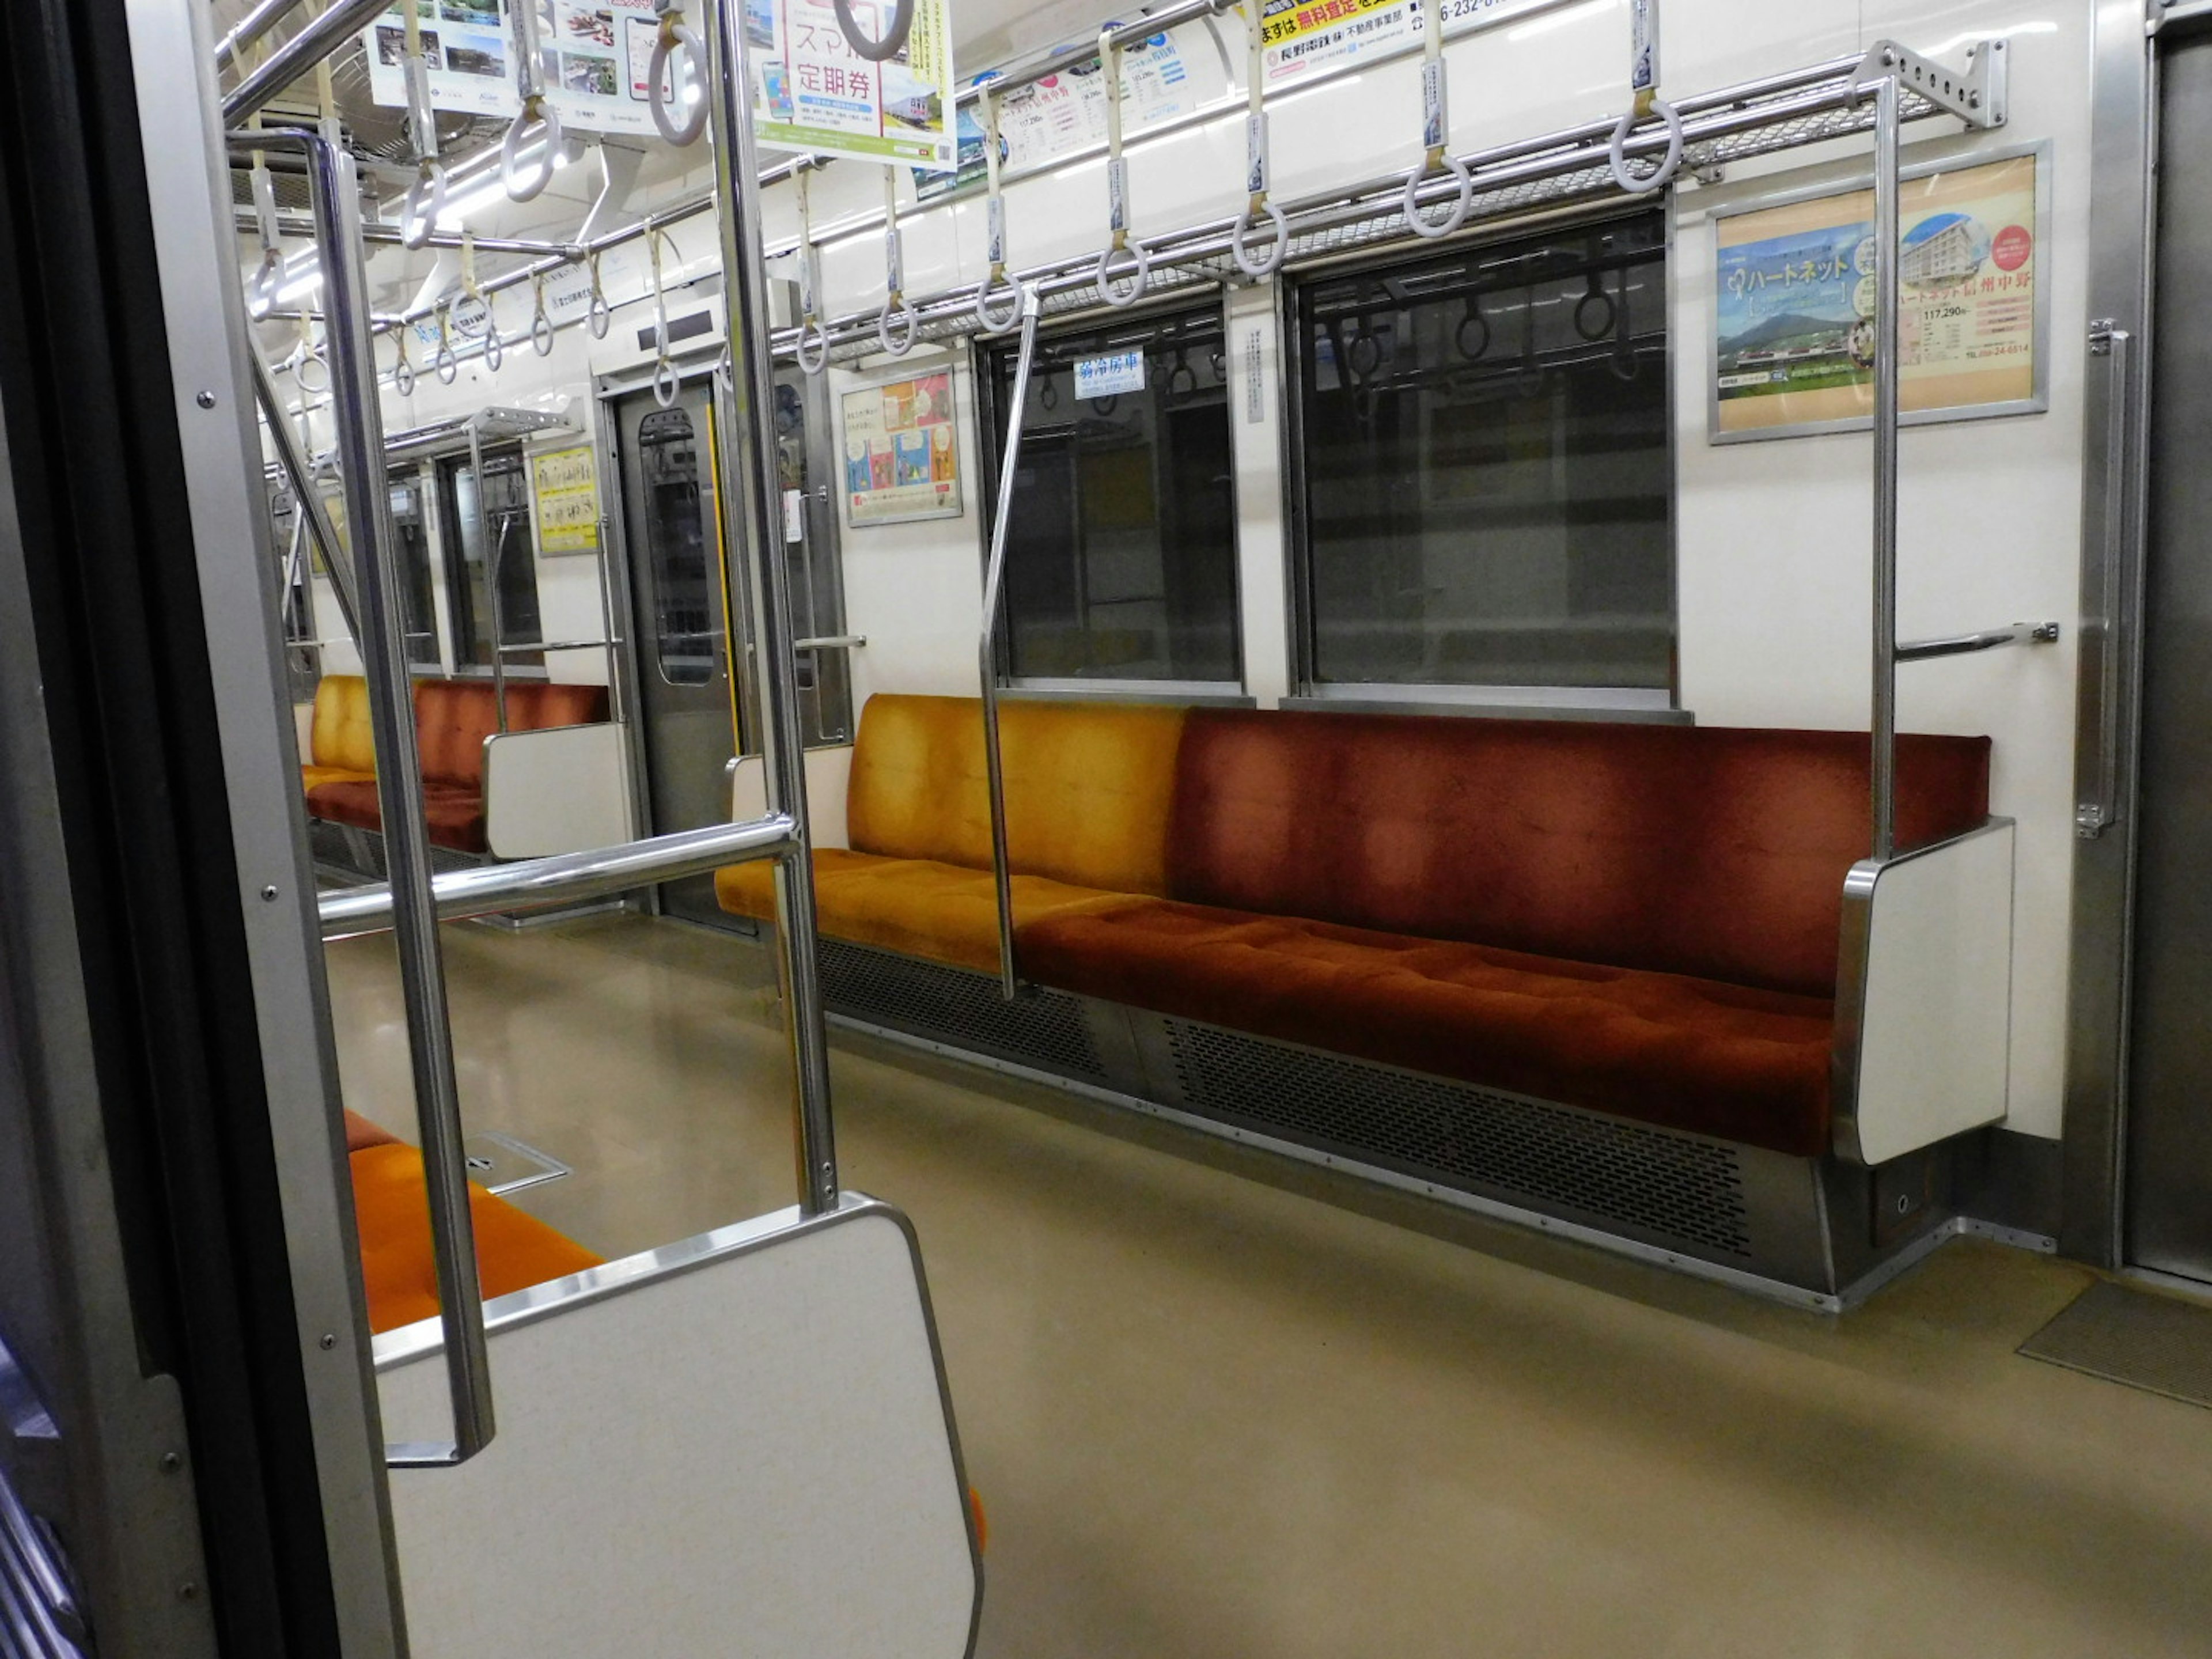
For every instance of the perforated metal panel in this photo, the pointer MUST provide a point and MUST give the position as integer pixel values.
(1046, 1028)
(1665, 1185)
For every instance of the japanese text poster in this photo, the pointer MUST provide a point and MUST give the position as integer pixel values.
(901, 452)
(567, 490)
(1794, 292)
(1302, 36)
(812, 91)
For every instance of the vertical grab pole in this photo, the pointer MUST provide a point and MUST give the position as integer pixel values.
(994, 580)
(359, 428)
(495, 620)
(755, 530)
(1885, 354)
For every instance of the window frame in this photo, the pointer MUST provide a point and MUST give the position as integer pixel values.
(990, 425)
(1528, 700)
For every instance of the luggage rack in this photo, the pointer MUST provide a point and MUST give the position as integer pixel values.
(1775, 113)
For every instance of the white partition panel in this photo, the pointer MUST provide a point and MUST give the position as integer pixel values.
(560, 789)
(1932, 1049)
(829, 772)
(740, 1444)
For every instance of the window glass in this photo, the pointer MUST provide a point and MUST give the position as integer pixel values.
(1121, 553)
(512, 559)
(686, 607)
(816, 584)
(411, 530)
(1486, 455)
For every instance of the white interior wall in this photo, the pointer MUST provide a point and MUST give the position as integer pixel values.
(1773, 563)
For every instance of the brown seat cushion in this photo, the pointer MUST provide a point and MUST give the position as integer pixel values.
(1714, 852)
(454, 812)
(939, 912)
(452, 717)
(1713, 1059)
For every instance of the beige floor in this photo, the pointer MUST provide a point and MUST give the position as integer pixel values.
(1216, 1416)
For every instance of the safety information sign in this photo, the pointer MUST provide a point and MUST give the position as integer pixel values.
(812, 91)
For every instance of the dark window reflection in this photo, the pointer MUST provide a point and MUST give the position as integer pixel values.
(686, 609)
(1121, 556)
(513, 557)
(1488, 469)
(412, 532)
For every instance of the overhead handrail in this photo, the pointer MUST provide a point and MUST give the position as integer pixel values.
(1436, 135)
(747, 468)
(1260, 266)
(537, 112)
(995, 233)
(994, 581)
(357, 424)
(249, 28)
(813, 343)
(426, 198)
(1645, 101)
(666, 382)
(1117, 186)
(673, 41)
(565, 877)
(886, 45)
(894, 299)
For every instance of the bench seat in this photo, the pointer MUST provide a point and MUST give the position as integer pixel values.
(943, 913)
(392, 1213)
(313, 777)
(1694, 1054)
(454, 812)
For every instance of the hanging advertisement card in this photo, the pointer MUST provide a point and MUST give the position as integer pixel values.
(901, 452)
(1302, 36)
(812, 91)
(593, 53)
(566, 485)
(1794, 292)
(1067, 112)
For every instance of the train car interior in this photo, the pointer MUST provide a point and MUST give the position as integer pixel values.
(1291, 827)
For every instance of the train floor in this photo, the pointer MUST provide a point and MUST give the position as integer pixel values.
(1221, 1407)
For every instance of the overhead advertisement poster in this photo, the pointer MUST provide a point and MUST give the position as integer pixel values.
(1794, 300)
(1067, 112)
(812, 91)
(1302, 36)
(595, 54)
(901, 452)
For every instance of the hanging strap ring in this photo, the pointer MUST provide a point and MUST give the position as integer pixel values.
(1457, 216)
(1596, 299)
(1136, 276)
(665, 383)
(885, 46)
(314, 385)
(403, 378)
(675, 38)
(897, 305)
(1476, 323)
(994, 323)
(261, 292)
(541, 325)
(538, 113)
(1261, 266)
(1664, 174)
(813, 349)
(425, 201)
(495, 348)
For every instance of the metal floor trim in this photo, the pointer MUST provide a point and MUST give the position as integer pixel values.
(1772, 1289)
(2117, 1331)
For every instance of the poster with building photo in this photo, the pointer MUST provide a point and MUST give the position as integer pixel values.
(901, 452)
(812, 91)
(593, 62)
(1794, 290)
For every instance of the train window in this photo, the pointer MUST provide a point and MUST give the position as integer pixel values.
(1485, 445)
(686, 609)
(481, 623)
(1121, 559)
(817, 585)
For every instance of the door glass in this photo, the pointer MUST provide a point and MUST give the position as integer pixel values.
(412, 532)
(815, 588)
(477, 631)
(684, 603)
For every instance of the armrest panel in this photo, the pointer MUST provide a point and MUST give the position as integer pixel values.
(559, 789)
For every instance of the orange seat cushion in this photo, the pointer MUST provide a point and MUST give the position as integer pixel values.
(312, 777)
(513, 1251)
(361, 1132)
(455, 812)
(917, 906)
(340, 739)
(1713, 1059)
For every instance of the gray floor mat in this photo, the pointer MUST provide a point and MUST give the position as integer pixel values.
(2159, 1344)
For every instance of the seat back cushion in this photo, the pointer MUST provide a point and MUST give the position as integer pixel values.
(452, 717)
(1715, 852)
(1088, 786)
(341, 737)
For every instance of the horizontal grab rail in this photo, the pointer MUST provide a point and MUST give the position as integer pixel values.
(830, 642)
(1990, 639)
(525, 646)
(568, 876)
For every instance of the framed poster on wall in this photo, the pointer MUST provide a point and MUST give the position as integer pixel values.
(1793, 300)
(901, 452)
(566, 486)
